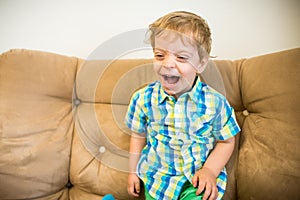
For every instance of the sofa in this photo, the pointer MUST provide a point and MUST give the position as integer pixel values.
(62, 132)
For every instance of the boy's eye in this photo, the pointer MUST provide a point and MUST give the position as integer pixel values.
(182, 58)
(159, 56)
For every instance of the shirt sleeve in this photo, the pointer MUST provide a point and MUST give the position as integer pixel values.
(135, 118)
(225, 125)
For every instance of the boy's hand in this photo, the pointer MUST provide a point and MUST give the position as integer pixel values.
(134, 185)
(205, 180)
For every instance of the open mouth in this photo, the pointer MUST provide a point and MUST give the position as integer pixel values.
(171, 79)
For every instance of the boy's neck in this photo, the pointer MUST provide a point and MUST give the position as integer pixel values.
(194, 83)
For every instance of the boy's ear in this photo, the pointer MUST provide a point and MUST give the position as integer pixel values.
(202, 65)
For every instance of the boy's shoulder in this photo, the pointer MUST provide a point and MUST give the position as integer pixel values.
(210, 94)
(212, 91)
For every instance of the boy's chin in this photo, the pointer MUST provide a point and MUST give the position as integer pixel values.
(171, 92)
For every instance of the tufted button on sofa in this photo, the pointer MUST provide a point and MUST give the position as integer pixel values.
(62, 134)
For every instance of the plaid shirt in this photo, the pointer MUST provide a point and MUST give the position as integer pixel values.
(180, 135)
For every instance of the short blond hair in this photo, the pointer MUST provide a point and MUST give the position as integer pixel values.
(185, 23)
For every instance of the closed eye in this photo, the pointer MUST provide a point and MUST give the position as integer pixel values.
(159, 56)
(182, 58)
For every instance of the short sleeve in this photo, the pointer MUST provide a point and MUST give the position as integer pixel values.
(225, 125)
(135, 118)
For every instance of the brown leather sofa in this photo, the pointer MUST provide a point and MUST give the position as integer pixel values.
(62, 132)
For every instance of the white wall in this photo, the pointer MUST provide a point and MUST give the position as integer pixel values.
(240, 28)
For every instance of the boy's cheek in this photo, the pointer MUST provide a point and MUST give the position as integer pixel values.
(156, 66)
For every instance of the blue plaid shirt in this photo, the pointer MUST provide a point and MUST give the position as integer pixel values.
(180, 135)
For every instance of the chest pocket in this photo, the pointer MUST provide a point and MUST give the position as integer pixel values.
(199, 126)
(157, 122)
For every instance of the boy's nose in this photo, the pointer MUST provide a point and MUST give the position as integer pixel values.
(169, 62)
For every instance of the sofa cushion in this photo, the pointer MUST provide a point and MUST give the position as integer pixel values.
(106, 81)
(269, 149)
(230, 75)
(96, 164)
(35, 123)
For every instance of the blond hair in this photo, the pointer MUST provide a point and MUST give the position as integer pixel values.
(185, 23)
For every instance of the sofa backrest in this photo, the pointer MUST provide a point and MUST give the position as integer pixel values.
(269, 156)
(36, 123)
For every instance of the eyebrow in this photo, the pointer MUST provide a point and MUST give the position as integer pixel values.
(175, 53)
(184, 52)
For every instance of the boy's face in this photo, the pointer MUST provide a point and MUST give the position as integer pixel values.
(176, 63)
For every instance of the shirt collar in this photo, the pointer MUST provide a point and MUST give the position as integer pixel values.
(162, 95)
(196, 91)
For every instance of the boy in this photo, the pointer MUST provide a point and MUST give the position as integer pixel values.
(183, 130)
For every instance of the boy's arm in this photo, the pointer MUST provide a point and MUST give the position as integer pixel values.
(205, 178)
(220, 155)
(137, 143)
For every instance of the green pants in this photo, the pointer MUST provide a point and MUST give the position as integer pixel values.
(188, 192)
